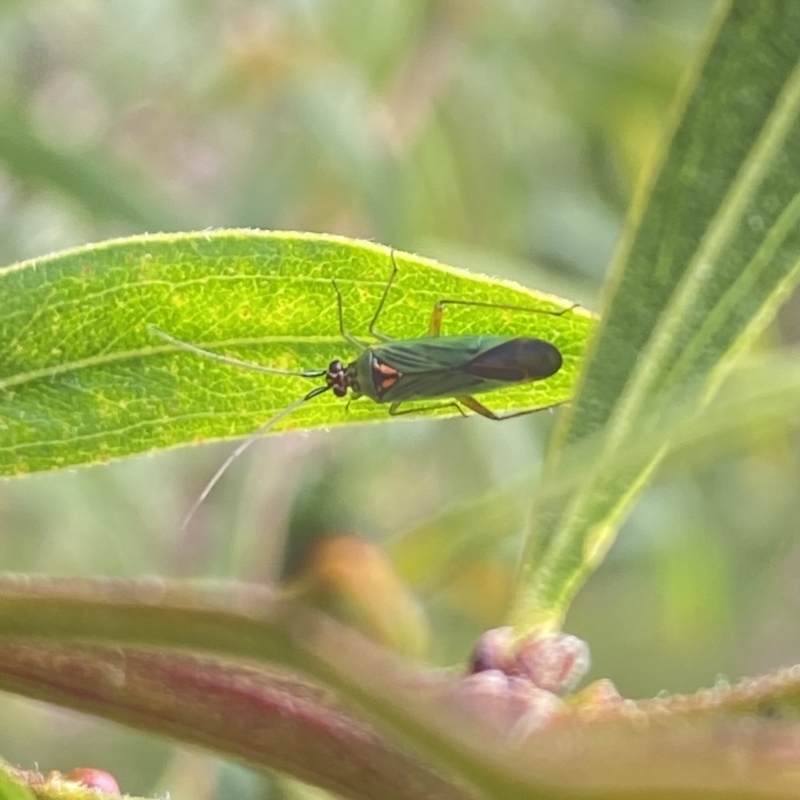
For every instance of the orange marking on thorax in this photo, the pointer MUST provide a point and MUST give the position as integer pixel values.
(384, 376)
(385, 369)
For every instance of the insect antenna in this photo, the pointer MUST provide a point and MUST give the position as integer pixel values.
(243, 446)
(236, 362)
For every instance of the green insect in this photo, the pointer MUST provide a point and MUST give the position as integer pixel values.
(397, 371)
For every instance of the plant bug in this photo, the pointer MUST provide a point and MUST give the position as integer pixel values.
(397, 371)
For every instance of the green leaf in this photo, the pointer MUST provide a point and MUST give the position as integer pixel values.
(11, 789)
(83, 379)
(711, 252)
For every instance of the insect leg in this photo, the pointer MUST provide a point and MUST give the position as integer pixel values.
(435, 325)
(471, 403)
(373, 332)
(346, 335)
(393, 408)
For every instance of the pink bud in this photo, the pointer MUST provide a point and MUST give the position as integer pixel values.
(493, 651)
(555, 662)
(94, 779)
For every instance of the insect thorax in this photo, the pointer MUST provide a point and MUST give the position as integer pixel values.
(384, 376)
(369, 375)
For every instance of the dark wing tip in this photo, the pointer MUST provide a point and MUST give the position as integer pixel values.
(554, 359)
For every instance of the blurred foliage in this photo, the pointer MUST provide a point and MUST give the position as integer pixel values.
(504, 137)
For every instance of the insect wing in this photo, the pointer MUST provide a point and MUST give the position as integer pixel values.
(439, 367)
(516, 361)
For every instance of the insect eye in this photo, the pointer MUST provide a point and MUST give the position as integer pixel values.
(336, 378)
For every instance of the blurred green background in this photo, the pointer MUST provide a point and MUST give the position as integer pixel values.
(505, 137)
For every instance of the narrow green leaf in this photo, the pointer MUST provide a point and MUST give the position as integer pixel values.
(13, 790)
(83, 379)
(708, 260)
